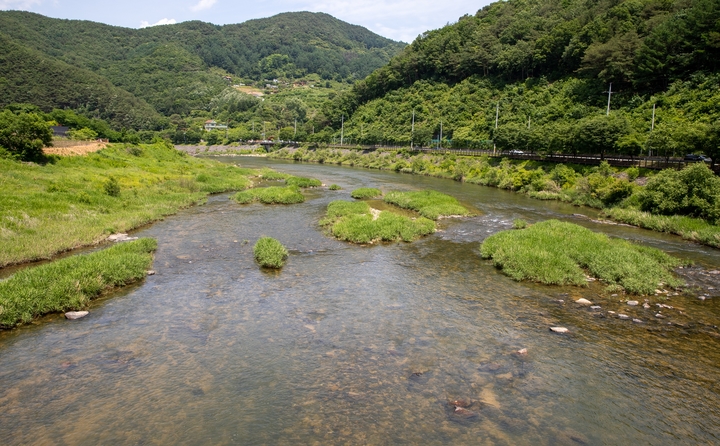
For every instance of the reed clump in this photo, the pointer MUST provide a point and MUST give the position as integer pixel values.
(560, 253)
(70, 283)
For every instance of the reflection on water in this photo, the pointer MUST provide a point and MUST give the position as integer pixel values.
(396, 343)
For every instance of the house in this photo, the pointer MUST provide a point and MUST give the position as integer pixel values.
(60, 131)
(213, 125)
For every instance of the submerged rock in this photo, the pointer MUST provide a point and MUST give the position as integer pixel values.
(559, 329)
(583, 301)
(623, 316)
(632, 303)
(120, 238)
(76, 314)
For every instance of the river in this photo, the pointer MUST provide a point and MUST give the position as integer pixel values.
(365, 344)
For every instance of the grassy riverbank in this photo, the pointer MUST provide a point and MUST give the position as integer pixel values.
(560, 253)
(78, 201)
(70, 283)
(685, 202)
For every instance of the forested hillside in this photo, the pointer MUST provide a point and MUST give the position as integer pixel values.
(545, 68)
(181, 68)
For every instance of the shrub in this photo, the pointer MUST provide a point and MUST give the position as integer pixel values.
(112, 187)
(366, 192)
(335, 187)
(270, 253)
(302, 182)
(430, 204)
(555, 252)
(519, 224)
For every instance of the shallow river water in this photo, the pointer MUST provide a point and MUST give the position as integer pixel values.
(365, 344)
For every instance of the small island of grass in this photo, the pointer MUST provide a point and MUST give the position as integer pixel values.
(270, 253)
(560, 253)
(366, 192)
(428, 203)
(70, 283)
(270, 195)
(357, 222)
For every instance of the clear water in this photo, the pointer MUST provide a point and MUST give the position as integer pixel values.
(364, 345)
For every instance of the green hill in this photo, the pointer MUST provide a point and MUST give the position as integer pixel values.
(546, 67)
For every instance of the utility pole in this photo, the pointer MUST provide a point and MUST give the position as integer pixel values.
(412, 130)
(342, 129)
(609, 92)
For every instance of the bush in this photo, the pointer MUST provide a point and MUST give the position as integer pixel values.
(334, 187)
(24, 135)
(302, 182)
(366, 192)
(555, 252)
(270, 253)
(112, 187)
(520, 224)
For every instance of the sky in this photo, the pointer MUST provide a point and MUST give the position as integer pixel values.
(400, 20)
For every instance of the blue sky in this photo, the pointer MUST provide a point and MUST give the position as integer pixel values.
(395, 19)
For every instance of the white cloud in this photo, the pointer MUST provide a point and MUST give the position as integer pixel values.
(203, 4)
(145, 24)
(18, 4)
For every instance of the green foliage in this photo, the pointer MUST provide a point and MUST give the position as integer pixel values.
(83, 134)
(271, 195)
(112, 187)
(519, 224)
(334, 187)
(270, 253)
(70, 283)
(366, 192)
(430, 204)
(693, 191)
(302, 182)
(354, 222)
(557, 253)
(24, 135)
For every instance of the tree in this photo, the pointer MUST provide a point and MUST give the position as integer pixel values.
(24, 135)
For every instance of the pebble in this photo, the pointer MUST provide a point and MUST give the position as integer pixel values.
(583, 301)
(632, 303)
(637, 321)
(623, 316)
(646, 305)
(559, 329)
(151, 273)
(660, 316)
(611, 312)
(702, 297)
(120, 238)
(76, 314)
(522, 351)
(595, 307)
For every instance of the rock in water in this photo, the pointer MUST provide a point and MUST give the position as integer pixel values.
(76, 314)
(632, 303)
(522, 351)
(121, 238)
(583, 301)
(559, 329)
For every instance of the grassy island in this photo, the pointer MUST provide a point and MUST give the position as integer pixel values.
(271, 195)
(70, 283)
(560, 253)
(428, 203)
(270, 253)
(366, 192)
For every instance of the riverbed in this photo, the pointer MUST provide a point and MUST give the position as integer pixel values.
(403, 343)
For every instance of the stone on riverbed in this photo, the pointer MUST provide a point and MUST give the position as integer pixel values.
(583, 301)
(76, 314)
(632, 303)
(120, 238)
(559, 329)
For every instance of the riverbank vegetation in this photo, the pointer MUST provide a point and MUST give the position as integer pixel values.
(270, 253)
(357, 223)
(70, 283)
(560, 253)
(365, 193)
(77, 201)
(271, 195)
(428, 203)
(683, 202)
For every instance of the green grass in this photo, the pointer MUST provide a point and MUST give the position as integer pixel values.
(689, 228)
(366, 192)
(47, 209)
(70, 283)
(334, 187)
(303, 182)
(270, 195)
(270, 253)
(353, 222)
(560, 253)
(271, 175)
(430, 204)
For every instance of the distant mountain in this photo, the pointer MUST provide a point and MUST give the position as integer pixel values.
(178, 68)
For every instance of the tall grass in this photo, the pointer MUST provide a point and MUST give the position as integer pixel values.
(270, 195)
(270, 253)
(303, 182)
(689, 228)
(354, 222)
(70, 283)
(555, 252)
(46, 209)
(429, 203)
(366, 192)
